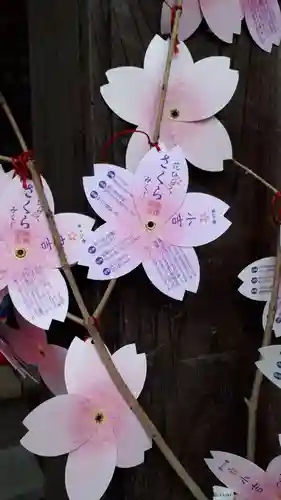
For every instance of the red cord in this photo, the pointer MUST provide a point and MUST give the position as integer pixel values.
(124, 132)
(20, 166)
(276, 208)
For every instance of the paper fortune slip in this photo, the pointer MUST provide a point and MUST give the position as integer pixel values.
(28, 258)
(151, 220)
(257, 285)
(245, 478)
(224, 18)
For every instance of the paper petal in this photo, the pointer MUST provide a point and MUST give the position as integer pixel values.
(58, 426)
(257, 279)
(112, 252)
(40, 295)
(51, 368)
(271, 352)
(209, 87)
(127, 93)
(277, 321)
(156, 56)
(132, 367)
(161, 181)
(27, 341)
(273, 472)
(73, 229)
(200, 220)
(206, 144)
(84, 369)
(190, 19)
(271, 369)
(229, 468)
(224, 18)
(173, 269)
(90, 468)
(132, 441)
(21, 206)
(264, 22)
(109, 192)
(137, 148)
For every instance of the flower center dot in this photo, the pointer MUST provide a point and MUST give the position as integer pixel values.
(150, 225)
(174, 113)
(20, 253)
(99, 418)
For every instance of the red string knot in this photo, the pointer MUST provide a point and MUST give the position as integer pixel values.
(20, 164)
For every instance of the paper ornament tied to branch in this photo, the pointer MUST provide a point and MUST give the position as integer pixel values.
(257, 285)
(28, 257)
(196, 92)
(151, 220)
(270, 364)
(249, 481)
(92, 422)
(28, 345)
(263, 19)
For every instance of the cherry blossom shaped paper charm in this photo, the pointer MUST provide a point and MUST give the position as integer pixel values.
(196, 92)
(223, 18)
(92, 422)
(270, 363)
(249, 481)
(257, 285)
(30, 346)
(151, 220)
(263, 19)
(29, 260)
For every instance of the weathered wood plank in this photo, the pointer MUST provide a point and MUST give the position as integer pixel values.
(201, 351)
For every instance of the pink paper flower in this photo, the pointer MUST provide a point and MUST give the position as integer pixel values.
(224, 18)
(263, 18)
(29, 260)
(249, 481)
(28, 344)
(92, 422)
(195, 94)
(151, 220)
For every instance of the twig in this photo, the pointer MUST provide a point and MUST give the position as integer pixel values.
(167, 72)
(251, 172)
(104, 355)
(8, 159)
(253, 402)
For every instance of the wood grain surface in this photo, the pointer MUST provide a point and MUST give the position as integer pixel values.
(201, 352)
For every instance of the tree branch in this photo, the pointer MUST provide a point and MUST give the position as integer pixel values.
(89, 324)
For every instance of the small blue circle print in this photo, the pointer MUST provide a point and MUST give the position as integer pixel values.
(111, 174)
(102, 184)
(94, 194)
(92, 250)
(277, 375)
(278, 364)
(99, 261)
(106, 271)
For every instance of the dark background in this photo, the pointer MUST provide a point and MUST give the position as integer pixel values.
(201, 352)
